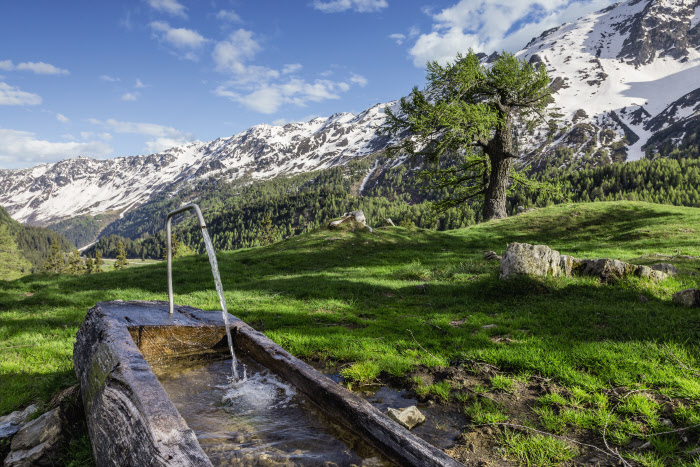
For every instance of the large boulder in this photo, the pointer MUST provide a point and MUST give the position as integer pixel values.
(687, 298)
(522, 259)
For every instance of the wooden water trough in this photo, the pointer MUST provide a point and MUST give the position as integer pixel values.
(132, 421)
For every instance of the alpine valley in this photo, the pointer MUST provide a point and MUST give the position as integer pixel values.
(625, 82)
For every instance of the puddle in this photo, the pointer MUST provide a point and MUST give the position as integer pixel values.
(442, 424)
(262, 422)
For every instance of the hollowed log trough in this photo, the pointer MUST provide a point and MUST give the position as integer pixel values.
(132, 421)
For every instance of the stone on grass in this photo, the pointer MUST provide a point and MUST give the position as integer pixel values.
(352, 221)
(491, 256)
(388, 223)
(522, 259)
(39, 442)
(688, 298)
(408, 417)
(666, 268)
(520, 209)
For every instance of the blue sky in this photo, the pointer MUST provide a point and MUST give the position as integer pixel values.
(106, 79)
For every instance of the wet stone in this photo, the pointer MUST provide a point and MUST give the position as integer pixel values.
(408, 417)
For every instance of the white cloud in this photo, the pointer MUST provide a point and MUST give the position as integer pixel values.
(360, 6)
(291, 68)
(180, 38)
(139, 84)
(23, 148)
(229, 15)
(163, 137)
(130, 96)
(358, 79)
(172, 7)
(398, 38)
(40, 68)
(230, 55)
(109, 79)
(488, 26)
(62, 118)
(10, 95)
(265, 89)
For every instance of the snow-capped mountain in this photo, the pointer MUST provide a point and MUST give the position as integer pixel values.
(626, 80)
(621, 75)
(53, 192)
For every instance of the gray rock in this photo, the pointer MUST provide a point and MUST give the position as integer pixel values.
(567, 264)
(12, 423)
(491, 256)
(39, 442)
(408, 417)
(388, 223)
(358, 215)
(532, 260)
(666, 268)
(520, 209)
(688, 298)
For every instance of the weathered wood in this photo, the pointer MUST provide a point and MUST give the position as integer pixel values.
(133, 422)
(130, 418)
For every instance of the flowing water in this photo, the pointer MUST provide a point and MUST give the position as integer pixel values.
(264, 422)
(220, 290)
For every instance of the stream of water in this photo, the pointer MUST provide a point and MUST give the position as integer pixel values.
(220, 290)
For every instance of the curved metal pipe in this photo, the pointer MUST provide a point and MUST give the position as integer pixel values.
(202, 224)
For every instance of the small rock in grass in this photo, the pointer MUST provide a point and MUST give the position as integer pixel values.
(688, 298)
(488, 326)
(388, 223)
(408, 417)
(491, 256)
(642, 298)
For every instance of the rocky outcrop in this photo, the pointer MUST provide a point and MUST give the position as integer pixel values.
(523, 259)
(352, 221)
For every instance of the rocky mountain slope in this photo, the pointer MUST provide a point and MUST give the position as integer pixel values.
(51, 193)
(626, 82)
(623, 77)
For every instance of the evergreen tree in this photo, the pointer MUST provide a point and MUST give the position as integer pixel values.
(89, 266)
(55, 263)
(121, 261)
(468, 112)
(98, 261)
(267, 231)
(75, 263)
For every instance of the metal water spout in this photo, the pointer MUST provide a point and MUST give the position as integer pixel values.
(214, 271)
(202, 224)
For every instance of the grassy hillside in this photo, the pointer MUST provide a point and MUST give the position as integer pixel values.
(351, 301)
(34, 244)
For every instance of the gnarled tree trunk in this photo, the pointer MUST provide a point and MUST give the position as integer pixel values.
(501, 154)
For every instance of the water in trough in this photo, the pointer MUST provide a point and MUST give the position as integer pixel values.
(264, 422)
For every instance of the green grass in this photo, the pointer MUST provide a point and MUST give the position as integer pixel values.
(536, 450)
(351, 299)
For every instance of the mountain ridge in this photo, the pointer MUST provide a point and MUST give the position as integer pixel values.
(623, 82)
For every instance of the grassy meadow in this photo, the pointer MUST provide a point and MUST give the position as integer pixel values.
(622, 358)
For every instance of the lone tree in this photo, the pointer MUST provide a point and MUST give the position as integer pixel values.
(121, 261)
(266, 234)
(55, 262)
(468, 113)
